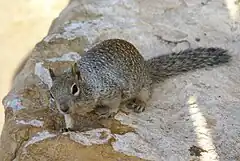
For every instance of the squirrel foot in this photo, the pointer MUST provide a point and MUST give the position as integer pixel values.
(137, 105)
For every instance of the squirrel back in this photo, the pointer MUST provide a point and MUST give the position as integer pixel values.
(165, 66)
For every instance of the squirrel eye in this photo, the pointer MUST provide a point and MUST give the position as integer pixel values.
(75, 90)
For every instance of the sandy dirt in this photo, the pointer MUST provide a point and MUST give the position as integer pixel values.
(23, 24)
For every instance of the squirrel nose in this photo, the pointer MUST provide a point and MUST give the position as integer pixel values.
(64, 108)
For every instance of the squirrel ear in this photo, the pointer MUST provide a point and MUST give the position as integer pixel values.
(52, 74)
(75, 71)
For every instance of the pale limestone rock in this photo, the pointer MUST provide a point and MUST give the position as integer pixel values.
(192, 114)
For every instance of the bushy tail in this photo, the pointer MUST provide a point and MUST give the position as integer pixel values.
(165, 66)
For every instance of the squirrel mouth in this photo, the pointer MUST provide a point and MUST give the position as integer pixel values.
(65, 109)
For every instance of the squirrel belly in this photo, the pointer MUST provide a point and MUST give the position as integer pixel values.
(168, 65)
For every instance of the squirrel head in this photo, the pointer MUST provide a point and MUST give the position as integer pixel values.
(65, 89)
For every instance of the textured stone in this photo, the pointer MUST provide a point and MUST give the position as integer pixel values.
(192, 116)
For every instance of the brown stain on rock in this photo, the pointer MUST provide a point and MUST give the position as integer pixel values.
(70, 150)
(61, 148)
(116, 127)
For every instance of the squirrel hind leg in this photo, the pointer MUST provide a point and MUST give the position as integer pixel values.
(139, 103)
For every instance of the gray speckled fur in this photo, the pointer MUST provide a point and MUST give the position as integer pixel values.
(114, 67)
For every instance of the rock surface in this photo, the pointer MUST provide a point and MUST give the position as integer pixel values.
(195, 116)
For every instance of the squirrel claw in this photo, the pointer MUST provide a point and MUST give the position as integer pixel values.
(138, 106)
(62, 130)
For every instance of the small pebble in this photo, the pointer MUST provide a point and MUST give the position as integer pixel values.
(197, 39)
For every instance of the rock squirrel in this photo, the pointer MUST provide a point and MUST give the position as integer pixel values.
(114, 72)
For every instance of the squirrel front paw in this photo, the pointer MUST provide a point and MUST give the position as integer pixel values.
(137, 105)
